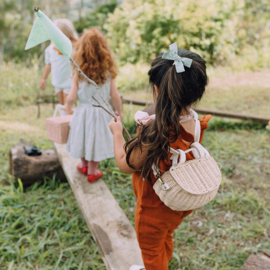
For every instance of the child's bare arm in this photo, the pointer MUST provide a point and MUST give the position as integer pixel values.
(116, 100)
(45, 75)
(72, 96)
(137, 156)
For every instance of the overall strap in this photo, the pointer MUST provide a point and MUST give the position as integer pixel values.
(196, 148)
(197, 132)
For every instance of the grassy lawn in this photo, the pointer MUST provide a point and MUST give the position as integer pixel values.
(41, 226)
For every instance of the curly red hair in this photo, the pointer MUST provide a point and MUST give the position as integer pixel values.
(94, 57)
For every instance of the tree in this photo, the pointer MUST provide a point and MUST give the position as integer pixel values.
(6, 8)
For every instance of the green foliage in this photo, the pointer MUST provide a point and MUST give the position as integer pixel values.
(132, 77)
(137, 31)
(96, 18)
(210, 28)
(16, 21)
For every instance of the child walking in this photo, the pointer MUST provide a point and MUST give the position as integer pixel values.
(90, 138)
(177, 85)
(58, 64)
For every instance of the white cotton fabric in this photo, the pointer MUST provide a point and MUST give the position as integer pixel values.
(60, 68)
(65, 90)
(90, 136)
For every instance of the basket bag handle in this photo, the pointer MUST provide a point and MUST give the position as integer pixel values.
(60, 109)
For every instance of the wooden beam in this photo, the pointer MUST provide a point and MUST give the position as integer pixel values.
(257, 262)
(111, 229)
(135, 101)
(242, 116)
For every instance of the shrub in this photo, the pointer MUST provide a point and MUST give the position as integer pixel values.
(147, 28)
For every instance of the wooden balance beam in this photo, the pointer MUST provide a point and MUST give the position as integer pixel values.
(242, 116)
(111, 229)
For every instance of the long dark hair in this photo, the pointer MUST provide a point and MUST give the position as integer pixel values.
(177, 91)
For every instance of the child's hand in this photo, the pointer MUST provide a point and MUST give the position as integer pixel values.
(42, 84)
(116, 127)
(121, 114)
(67, 109)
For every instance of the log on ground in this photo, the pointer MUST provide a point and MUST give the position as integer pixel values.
(111, 229)
(257, 262)
(33, 168)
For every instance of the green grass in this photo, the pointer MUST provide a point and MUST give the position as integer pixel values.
(41, 226)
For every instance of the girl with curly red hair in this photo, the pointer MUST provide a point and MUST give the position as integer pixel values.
(90, 138)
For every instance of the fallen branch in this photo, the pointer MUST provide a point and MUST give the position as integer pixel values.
(100, 106)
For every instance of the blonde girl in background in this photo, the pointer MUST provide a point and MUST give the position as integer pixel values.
(90, 138)
(58, 64)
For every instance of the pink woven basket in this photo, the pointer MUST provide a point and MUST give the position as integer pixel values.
(58, 128)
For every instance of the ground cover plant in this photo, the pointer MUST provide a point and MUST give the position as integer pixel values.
(41, 226)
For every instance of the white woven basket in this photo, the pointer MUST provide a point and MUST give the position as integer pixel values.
(189, 185)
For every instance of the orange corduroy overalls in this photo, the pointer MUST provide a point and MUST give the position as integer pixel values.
(154, 221)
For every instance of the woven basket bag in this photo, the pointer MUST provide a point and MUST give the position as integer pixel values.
(189, 184)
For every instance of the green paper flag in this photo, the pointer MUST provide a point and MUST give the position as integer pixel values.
(44, 29)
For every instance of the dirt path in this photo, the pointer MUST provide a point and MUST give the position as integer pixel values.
(249, 78)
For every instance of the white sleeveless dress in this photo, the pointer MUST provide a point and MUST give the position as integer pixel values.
(90, 136)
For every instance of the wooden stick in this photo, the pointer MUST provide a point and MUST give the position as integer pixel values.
(100, 106)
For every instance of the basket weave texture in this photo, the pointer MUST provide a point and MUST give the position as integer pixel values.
(58, 128)
(192, 184)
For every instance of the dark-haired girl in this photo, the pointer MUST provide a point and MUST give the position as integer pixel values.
(178, 78)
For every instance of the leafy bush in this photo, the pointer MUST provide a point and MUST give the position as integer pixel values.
(138, 31)
(96, 18)
(132, 77)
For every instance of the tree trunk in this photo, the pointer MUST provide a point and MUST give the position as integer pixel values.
(33, 168)
(1, 51)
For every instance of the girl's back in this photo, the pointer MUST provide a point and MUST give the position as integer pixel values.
(90, 136)
(86, 91)
(60, 68)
